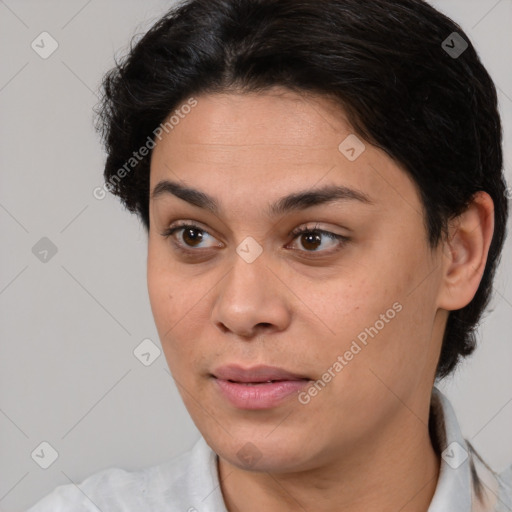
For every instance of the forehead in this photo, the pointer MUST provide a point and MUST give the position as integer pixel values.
(263, 114)
(268, 144)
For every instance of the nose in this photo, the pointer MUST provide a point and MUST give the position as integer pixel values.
(251, 300)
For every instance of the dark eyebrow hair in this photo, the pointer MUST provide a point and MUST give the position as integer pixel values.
(296, 201)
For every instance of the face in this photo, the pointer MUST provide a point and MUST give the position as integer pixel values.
(349, 307)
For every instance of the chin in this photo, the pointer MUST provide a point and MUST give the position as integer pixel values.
(261, 453)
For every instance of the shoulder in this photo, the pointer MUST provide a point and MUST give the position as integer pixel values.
(92, 493)
(115, 489)
(490, 490)
(505, 487)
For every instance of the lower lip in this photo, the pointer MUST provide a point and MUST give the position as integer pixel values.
(259, 396)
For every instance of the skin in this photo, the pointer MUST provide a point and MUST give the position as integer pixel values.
(362, 443)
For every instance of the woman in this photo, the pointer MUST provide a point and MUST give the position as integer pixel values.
(322, 188)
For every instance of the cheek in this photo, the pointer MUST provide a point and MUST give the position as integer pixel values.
(354, 299)
(159, 290)
(176, 302)
(166, 286)
(377, 305)
(396, 326)
(165, 291)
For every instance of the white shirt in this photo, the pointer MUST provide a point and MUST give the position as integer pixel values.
(190, 483)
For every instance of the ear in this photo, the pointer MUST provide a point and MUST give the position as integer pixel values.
(465, 253)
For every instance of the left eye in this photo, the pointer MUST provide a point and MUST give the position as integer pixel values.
(193, 235)
(312, 237)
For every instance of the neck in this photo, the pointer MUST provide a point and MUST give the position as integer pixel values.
(397, 469)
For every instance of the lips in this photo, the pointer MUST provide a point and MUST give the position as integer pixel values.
(256, 374)
(259, 387)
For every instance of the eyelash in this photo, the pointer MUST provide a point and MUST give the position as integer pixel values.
(295, 233)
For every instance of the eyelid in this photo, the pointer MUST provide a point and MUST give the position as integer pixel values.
(179, 225)
(341, 239)
(307, 228)
(315, 227)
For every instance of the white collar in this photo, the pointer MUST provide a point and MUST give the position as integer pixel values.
(462, 472)
(453, 490)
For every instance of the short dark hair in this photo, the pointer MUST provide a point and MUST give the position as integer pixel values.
(386, 62)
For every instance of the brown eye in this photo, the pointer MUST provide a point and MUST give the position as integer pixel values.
(313, 238)
(192, 236)
(311, 241)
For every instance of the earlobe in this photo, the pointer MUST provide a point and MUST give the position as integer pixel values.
(465, 252)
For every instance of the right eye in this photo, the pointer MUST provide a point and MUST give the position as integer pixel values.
(189, 236)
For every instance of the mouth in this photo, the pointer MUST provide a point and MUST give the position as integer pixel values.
(261, 374)
(261, 387)
(257, 383)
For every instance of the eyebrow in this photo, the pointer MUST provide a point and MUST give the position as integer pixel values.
(296, 201)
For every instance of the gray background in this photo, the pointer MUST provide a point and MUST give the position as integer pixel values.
(68, 375)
